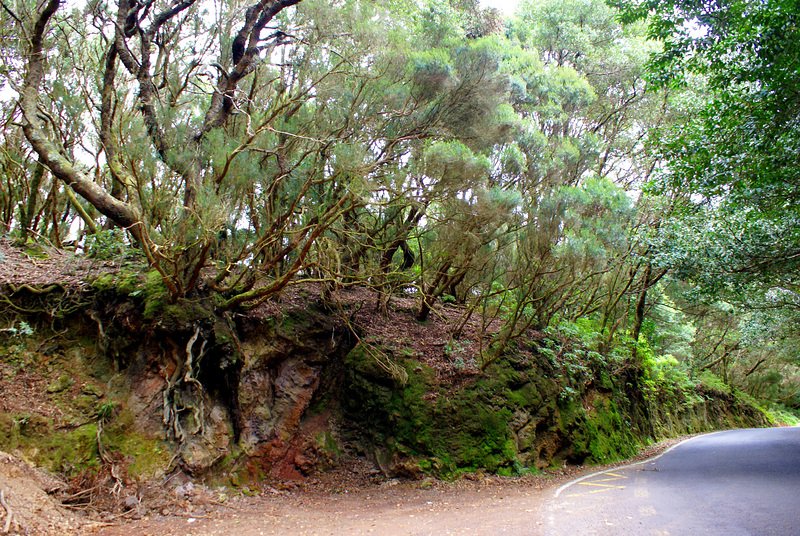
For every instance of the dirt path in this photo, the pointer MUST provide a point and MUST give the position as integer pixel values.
(493, 507)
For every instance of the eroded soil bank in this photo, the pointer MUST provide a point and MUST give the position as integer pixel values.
(145, 408)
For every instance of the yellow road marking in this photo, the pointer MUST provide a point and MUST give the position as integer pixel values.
(603, 489)
(606, 489)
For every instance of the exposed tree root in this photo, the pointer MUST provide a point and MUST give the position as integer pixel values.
(9, 512)
(176, 395)
(114, 468)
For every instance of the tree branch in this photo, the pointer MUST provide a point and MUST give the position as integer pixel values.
(121, 213)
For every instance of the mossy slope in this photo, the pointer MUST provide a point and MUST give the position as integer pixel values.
(520, 415)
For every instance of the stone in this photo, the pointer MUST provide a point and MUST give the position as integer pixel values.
(63, 383)
(130, 502)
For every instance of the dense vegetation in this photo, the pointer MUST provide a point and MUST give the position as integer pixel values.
(623, 177)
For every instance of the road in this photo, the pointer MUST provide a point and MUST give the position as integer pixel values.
(732, 483)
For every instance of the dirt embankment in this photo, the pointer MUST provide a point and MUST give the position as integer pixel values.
(300, 417)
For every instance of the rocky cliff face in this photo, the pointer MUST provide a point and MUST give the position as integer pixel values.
(525, 413)
(291, 389)
(281, 373)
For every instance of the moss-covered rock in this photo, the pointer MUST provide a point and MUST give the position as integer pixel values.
(242, 406)
(513, 417)
(603, 434)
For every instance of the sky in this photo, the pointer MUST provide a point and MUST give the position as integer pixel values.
(506, 6)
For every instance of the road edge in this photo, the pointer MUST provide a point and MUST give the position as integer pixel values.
(634, 464)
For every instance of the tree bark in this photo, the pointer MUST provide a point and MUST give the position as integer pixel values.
(648, 280)
(122, 213)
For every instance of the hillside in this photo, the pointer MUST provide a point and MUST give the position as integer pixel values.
(117, 391)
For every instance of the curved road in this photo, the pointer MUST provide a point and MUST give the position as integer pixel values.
(733, 483)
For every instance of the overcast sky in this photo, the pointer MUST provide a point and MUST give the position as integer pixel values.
(506, 6)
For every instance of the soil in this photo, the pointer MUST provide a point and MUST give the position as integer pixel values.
(39, 266)
(26, 506)
(351, 500)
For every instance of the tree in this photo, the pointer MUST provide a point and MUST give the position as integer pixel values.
(241, 122)
(332, 147)
(736, 156)
(146, 42)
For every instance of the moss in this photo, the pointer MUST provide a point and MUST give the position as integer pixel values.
(36, 251)
(604, 380)
(328, 451)
(72, 450)
(62, 383)
(67, 452)
(124, 283)
(85, 403)
(295, 321)
(104, 282)
(148, 457)
(364, 360)
(223, 334)
(183, 314)
(513, 416)
(602, 435)
(448, 432)
(526, 396)
(90, 389)
(156, 295)
(128, 284)
(7, 432)
(16, 430)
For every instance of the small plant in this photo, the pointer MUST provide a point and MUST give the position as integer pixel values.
(106, 410)
(23, 330)
(456, 348)
(460, 363)
(567, 393)
(107, 245)
(22, 422)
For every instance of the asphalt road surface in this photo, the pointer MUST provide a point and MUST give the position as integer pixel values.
(733, 483)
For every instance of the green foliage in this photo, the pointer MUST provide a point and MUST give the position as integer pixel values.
(712, 382)
(106, 410)
(666, 382)
(431, 73)
(22, 330)
(780, 415)
(737, 150)
(438, 151)
(453, 166)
